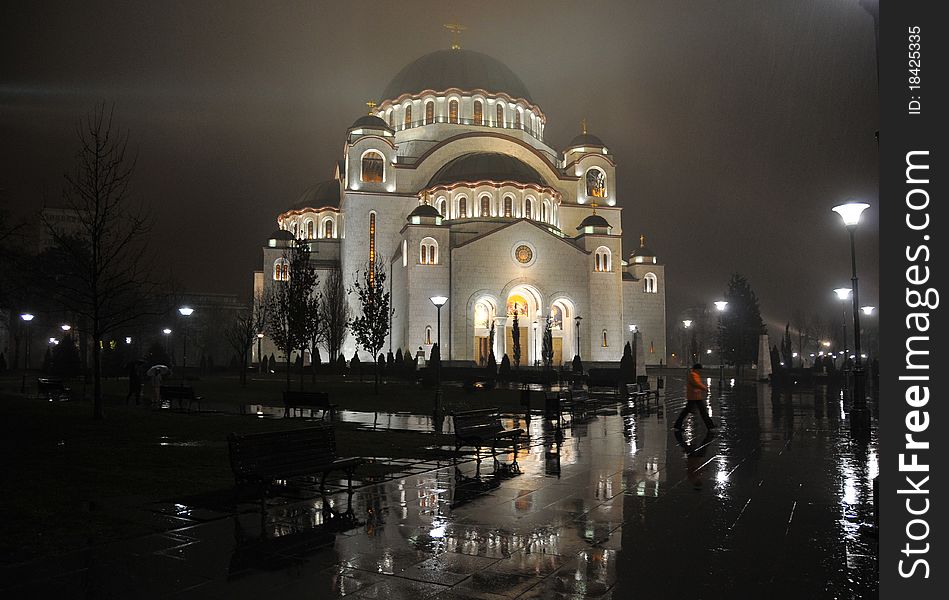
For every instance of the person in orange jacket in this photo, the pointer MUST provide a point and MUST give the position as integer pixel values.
(695, 394)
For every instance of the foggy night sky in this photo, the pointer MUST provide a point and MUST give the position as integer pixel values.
(736, 125)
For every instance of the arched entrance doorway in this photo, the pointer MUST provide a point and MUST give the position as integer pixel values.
(562, 312)
(485, 313)
(523, 326)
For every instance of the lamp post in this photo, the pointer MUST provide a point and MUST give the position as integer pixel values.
(720, 306)
(185, 312)
(536, 361)
(687, 323)
(439, 302)
(850, 213)
(843, 294)
(260, 360)
(578, 319)
(27, 318)
(167, 333)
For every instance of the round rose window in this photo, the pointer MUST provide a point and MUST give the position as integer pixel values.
(524, 254)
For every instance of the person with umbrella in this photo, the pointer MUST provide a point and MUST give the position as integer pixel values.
(155, 374)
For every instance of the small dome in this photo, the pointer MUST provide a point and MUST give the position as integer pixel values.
(462, 69)
(486, 166)
(593, 221)
(585, 139)
(282, 235)
(643, 250)
(370, 121)
(424, 210)
(324, 193)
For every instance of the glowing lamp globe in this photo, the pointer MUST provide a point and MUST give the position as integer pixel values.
(867, 310)
(842, 293)
(185, 311)
(438, 300)
(721, 304)
(850, 212)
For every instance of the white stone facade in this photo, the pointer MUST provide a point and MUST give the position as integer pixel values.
(472, 204)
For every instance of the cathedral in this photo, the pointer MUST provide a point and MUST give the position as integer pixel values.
(449, 182)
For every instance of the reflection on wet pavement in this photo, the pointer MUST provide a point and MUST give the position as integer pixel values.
(777, 503)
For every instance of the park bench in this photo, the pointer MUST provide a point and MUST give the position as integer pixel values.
(479, 427)
(51, 389)
(294, 402)
(639, 394)
(259, 459)
(553, 407)
(181, 394)
(578, 402)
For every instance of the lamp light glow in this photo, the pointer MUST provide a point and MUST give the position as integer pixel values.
(65, 327)
(850, 212)
(185, 311)
(721, 304)
(687, 323)
(867, 310)
(27, 317)
(166, 331)
(842, 293)
(438, 300)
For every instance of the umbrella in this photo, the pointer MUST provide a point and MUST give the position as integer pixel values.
(158, 370)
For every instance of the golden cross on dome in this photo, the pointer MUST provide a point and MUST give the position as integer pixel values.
(594, 207)
(583, 126)
(371, 104)
(642, 240)
(455, 30)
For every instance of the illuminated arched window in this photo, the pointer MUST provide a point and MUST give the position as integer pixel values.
(602, 260)
(596, 183)
(391, 117)
(373, 167)
(372, 241)
(328, 228)
(309, 228)
(453, 111)
(650, 283)
(508, 206)
(478, 112)
(529, 208)
(441, 206)
(463, 208)
(500, 121)
(428, 251)
(543, 212)
(429, 112)
(428, 335)
(485, 206)
(604, 342)
(281, 270)
(517, 119)
(407, 120)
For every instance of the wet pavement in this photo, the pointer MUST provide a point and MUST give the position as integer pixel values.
(777, 503)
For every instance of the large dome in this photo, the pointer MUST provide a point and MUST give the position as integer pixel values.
(486, 166)
(462, 69)
(324, 193)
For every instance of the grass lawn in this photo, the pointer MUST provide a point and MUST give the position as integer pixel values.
(64, 472)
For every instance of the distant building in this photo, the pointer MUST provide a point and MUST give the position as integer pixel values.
(63, 220)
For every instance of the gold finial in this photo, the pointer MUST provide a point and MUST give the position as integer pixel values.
(455, 30)
(593, 204)
(371, 104)
(642, 240)
(583, 126)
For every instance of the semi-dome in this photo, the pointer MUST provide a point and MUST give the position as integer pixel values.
(643, 253)
(593, 221)
(486, 166)
(324, 193)
(463, 69)
(370, 121)
(424, 210)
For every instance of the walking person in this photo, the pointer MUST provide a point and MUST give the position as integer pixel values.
(135, 382)
(695, 394)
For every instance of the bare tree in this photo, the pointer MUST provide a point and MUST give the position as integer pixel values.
(291, 307)
(372, 327)
(334, 313)
(240, 334)
(103, 272)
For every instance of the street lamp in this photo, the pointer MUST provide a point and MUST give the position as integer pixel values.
(65, 327)
(439, 302)
(260, 360)
(720, 306)
(167, 333)
(184, 311)
(850, 213)
(536, 361)
(867, 310)
(687, 323)
(843, 294)
(632, 336)
(27, 318)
